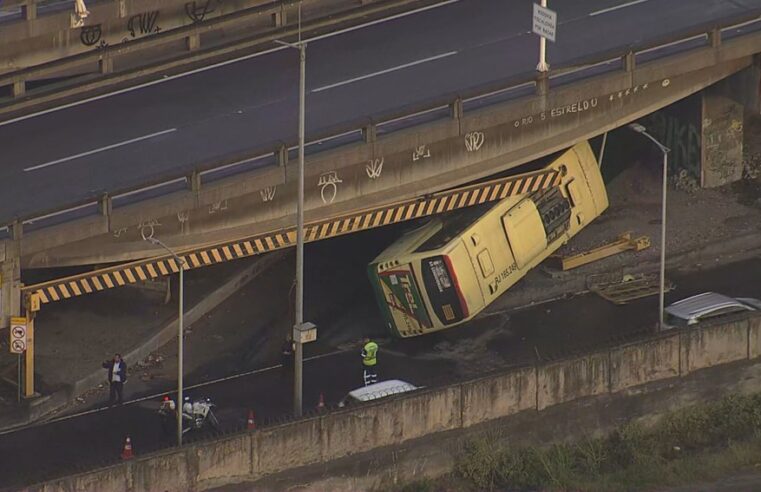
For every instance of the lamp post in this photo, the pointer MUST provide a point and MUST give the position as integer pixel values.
(665, 150)
(299, 308)
(180, 350)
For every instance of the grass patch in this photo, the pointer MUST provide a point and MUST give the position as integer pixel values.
(699, 443)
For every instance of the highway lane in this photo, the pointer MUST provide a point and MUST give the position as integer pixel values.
(55, 158)
(550, 330)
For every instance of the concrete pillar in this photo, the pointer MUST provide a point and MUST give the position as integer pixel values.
(106, 65)
(279, 18)
(29, 11)
(194, 181)
(542, 83)
(193, 42)
(721, 136)
(714, 38)
(281, 156)
(104, 205)
(370, 133)
(456, 109)
(629, 62)
(10, 270)
(19, 88)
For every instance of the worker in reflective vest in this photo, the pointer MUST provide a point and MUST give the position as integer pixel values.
(370, 362)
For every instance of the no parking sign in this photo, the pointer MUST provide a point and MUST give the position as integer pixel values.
(18, 335)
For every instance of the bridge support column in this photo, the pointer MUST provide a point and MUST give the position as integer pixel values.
(10, 270)
(705, 130)
(722, 137)
(724, 106)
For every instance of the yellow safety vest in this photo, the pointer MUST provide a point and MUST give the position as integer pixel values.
(369, 354)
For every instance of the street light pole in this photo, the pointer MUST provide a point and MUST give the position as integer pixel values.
(299, 308)
(299, 355)
(180, 329)
(665, 150)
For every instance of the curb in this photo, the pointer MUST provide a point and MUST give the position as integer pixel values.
(42, 406)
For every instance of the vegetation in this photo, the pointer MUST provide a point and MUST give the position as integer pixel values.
(700, 443)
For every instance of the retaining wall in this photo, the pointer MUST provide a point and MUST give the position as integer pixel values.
(252, 455)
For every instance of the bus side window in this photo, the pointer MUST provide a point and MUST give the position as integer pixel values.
(484, 261)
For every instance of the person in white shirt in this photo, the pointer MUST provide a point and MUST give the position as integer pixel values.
(117, 376)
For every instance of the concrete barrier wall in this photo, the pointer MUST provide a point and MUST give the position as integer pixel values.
(572, 379)
(714, 345)
(320, 439)
(224, 461)
(498, 396)
(639, 363)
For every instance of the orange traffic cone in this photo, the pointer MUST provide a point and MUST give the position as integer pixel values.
(127, 451)
(321, 403)
(251, 424)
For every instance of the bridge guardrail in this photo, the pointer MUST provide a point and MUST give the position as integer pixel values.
(103, 55)
(423, 112)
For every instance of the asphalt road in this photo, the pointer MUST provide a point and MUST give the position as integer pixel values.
(59, 157)
(549, 330)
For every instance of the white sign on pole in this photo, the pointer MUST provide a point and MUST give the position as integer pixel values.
(18, 335)
(545, 22)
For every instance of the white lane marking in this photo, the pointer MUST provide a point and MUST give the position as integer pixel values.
(101, 149)
(167, 78)
(611, 9)
(382, 72)
(168, 392)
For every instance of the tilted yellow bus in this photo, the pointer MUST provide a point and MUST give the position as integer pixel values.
(445, 272)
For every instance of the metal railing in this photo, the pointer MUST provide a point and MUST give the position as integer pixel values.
(708, 35)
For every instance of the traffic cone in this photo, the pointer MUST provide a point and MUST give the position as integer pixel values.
(127, 451)
(251, 424)
(321, 403)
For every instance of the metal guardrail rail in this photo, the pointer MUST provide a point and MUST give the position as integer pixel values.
(710, 33)
(138, 271)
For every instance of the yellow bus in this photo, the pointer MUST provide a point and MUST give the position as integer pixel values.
(445, 272)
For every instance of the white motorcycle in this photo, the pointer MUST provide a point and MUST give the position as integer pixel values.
(195, 415)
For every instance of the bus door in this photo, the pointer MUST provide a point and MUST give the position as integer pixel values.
(404, 301)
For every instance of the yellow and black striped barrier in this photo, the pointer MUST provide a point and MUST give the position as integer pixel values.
(138, 271)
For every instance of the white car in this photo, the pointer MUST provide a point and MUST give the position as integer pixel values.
(376, 391)
(708, 305)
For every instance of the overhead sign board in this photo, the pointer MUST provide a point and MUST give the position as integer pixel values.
(545, 22)
(18, 335)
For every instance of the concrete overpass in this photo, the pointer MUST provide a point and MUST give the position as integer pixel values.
(410, 152)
